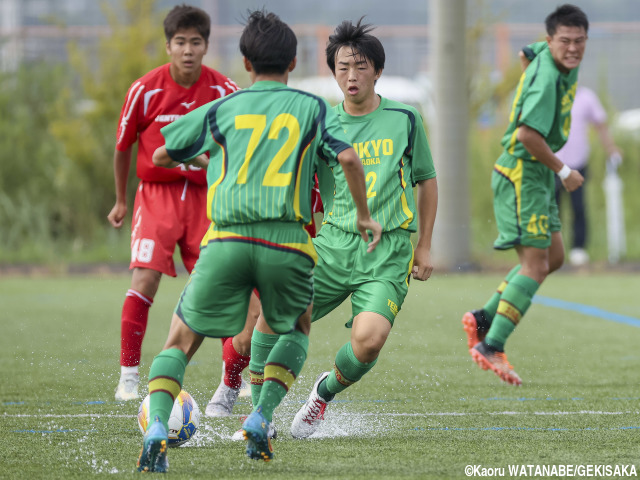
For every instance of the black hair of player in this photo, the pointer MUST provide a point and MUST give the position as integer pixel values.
(567, 15)
(268, 43)
(361, 42)
(183, 17)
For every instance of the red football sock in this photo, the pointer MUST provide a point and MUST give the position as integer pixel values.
(234, 363)
(224, 340)
(135, 313)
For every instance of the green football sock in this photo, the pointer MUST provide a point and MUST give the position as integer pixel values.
(348, 370)
(261, 346)
(491, 306)
(281, 370)
(165, 382)
(514, 303)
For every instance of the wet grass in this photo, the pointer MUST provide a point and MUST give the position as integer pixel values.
(425, 410)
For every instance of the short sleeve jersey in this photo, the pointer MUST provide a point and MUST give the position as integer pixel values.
(392, 145)
(542, 101)
(265, 143)
(155, 100)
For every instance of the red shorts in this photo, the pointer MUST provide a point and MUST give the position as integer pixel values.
(166, 215)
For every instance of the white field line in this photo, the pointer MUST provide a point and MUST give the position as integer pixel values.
(380, 414)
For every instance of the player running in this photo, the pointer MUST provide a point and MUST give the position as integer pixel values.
(392, 144)
(266, 143)
(523, 186)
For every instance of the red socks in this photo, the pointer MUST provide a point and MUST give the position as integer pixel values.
(234, 363)
(135, 313)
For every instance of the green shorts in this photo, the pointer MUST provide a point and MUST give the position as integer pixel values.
(377, 281)
(275, 258)
(524, 203)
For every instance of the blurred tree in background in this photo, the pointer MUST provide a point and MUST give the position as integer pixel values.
(32, 161)
(58, 139)
(59, 124)
(134, 46)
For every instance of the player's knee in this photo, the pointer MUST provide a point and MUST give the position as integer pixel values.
(242, 343)
(367, 349)
(366, 353)
(146, 281)
(556, 262)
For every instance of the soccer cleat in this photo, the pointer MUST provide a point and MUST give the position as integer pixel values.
(308, 418)
(127, 388)
(256, 431)
(239, 434)
(489, 358)
(475, 327)
(153, 456)
(222, 402)
(245, 388)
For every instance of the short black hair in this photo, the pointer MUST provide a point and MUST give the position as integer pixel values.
(567, 15)
(182, 17)
(360, 40)
(268, 43)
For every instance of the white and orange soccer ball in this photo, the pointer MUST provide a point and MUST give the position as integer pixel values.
(183, 421)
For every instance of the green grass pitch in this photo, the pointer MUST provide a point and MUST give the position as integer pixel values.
(425, 411)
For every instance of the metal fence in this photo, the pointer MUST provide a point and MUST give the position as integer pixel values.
(611, 65)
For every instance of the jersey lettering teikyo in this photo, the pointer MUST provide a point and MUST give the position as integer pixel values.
(392, 145)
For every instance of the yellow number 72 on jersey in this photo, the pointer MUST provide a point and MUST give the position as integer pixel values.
(257, 124)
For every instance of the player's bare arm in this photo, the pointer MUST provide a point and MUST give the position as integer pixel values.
(201, 161)
(524, 61)
(121, 164)
(536, 145)
(354, 174)
(161, 158)
(427, 203)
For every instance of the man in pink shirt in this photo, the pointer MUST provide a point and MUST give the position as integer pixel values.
(587, 110)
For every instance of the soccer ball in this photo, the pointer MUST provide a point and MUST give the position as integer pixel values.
(183, 421)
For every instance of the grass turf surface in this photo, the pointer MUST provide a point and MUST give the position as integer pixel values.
(425, 410)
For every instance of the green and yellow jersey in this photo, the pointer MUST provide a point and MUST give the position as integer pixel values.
(392, 145)
(542, 101)
(264, 143)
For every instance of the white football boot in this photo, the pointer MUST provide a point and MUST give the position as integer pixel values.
(127, 388)
(245, 388)
(222, 402)
(308, 418)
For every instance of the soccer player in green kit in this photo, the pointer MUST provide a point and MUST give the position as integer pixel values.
(523, 185)
(391, 142)
(265, 144)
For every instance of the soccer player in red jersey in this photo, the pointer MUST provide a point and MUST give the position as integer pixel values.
(170, 204)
